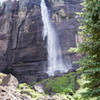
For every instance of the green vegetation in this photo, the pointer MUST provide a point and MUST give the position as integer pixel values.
(28, 90)
(86, 86)
(64, 84)
(63, 88)
(90, 63)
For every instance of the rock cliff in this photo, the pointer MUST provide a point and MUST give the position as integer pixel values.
(22, 49)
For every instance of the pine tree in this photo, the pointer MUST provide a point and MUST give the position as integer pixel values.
(90, 47)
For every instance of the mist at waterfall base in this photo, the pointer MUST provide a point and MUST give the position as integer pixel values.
(55, 61)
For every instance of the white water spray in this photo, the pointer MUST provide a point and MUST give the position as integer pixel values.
(55, 62)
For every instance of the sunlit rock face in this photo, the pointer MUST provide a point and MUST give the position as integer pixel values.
(21, 23)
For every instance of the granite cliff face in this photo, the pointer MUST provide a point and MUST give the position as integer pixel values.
(24, 52)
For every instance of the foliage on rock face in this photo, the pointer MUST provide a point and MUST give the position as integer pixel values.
(64, 84)
(90, 30)
(28, 90)
(62, 87)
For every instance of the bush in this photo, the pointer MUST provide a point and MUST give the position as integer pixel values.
(64, 84)
(90, 63)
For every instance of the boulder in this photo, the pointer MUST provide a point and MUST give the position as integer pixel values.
(10, 81)
(8, 88)
(2, 76)
(39, 88)
(8, 93)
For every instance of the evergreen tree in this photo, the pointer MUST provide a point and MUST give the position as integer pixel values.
(90, 47)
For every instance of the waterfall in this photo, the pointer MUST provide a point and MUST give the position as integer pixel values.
(55, 62)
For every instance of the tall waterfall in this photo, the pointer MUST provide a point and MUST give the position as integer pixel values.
(55, 62)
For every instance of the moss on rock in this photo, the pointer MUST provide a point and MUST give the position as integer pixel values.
(2, 75)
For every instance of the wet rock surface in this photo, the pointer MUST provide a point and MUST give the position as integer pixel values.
(22, 49)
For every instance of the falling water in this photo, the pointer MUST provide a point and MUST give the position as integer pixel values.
(55, 62)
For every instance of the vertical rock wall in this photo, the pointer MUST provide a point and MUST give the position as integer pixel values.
(21, 26)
